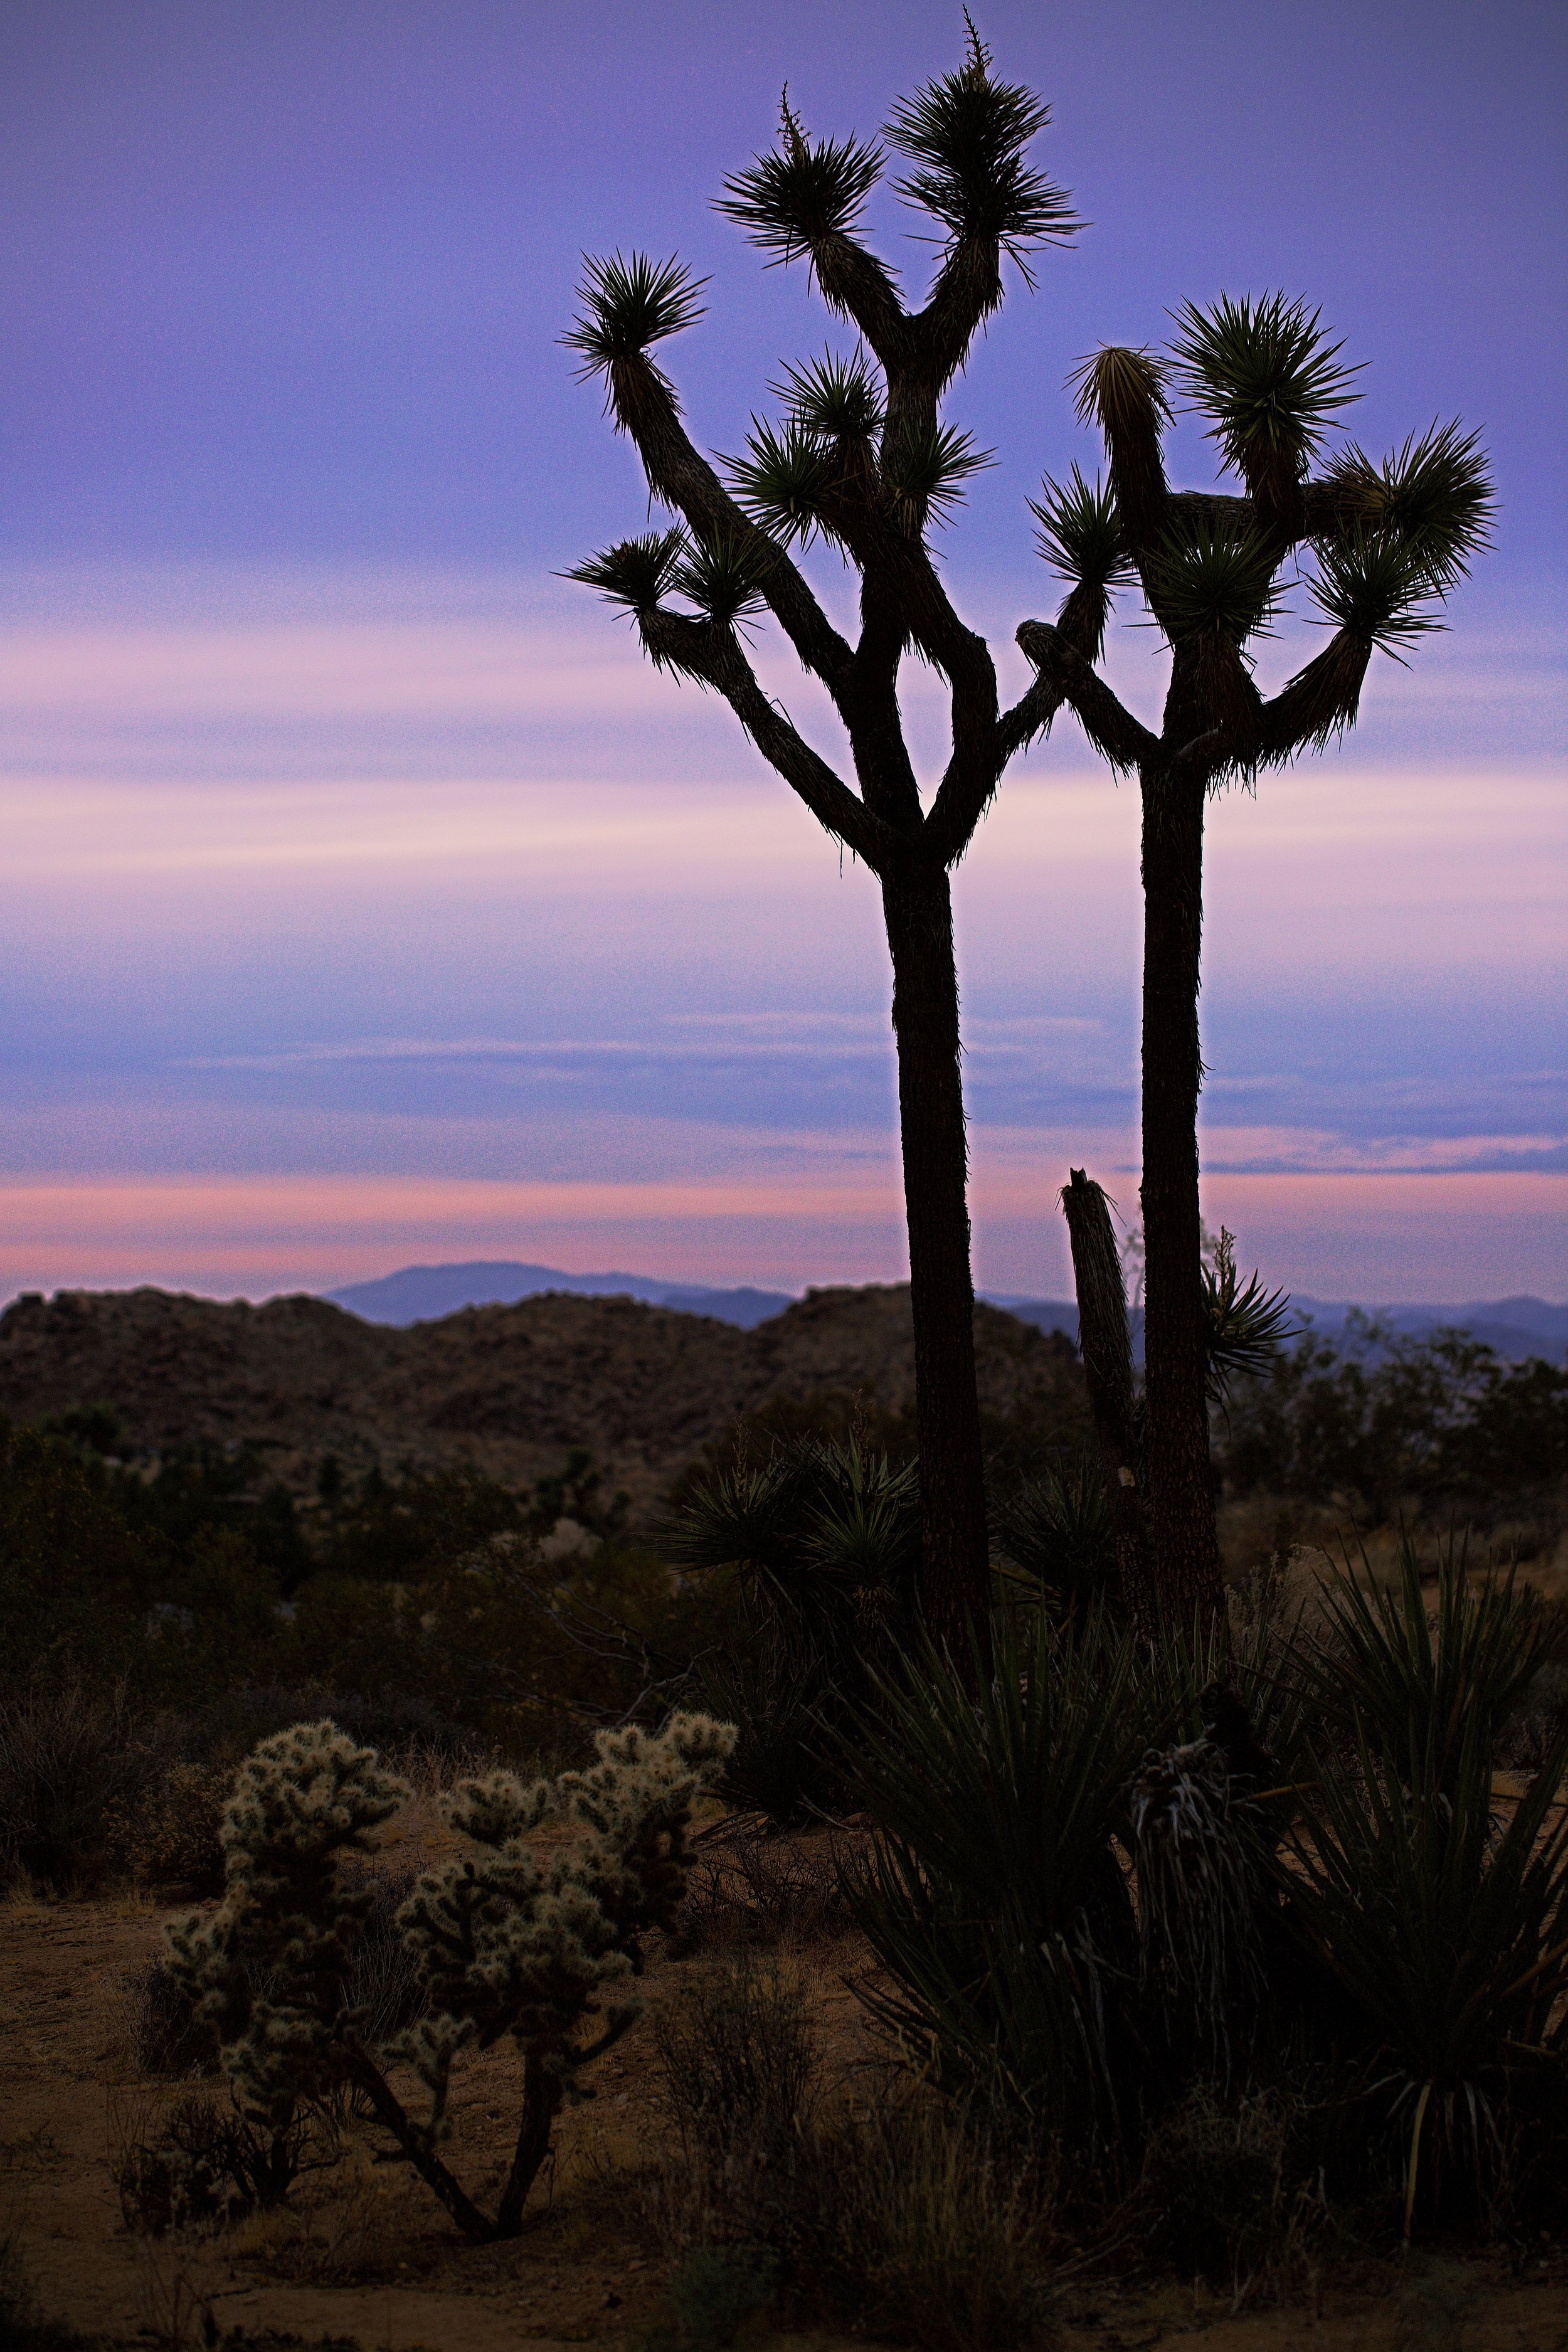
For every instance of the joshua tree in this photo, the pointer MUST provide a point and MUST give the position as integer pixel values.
(861, 461)
(1380, 546)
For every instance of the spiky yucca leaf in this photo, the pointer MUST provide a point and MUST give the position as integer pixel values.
(965, 135)
(1122, 392)
(804, 191)
(1057, 1529)
(628, 304)
(991, 1896)
(1266, 375)
(1434, 493)
(839, 398)
(1377, 587)
(1246, 1324)
(723, 577)
(1080, 532)
(636, 573)
(787, 478)
(924, 470)
(1411, 1677)
(1444, 1925)
(1209, 577)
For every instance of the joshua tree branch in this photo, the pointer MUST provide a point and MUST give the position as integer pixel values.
(678, 473)
(712, 655)
(1109, 726)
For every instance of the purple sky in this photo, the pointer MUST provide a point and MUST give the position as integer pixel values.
(367, 899)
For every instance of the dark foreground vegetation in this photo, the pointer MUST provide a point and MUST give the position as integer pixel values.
(1249, 1951)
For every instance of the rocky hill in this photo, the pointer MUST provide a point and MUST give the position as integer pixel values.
(507, 1388)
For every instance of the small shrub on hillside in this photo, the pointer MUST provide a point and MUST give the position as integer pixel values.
(68, 1762)
(200, 2162)
(170, 1835)
(1228, 2191)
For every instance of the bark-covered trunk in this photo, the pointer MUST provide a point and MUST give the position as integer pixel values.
(1105, 1345)
(955, 1567)
(1182, 1540)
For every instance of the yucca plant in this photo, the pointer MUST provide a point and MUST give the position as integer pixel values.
(861, 461)
(1412, 1680)
(1442, 1913)
(1380, 546)
(995, 1899)
(1057, 1529)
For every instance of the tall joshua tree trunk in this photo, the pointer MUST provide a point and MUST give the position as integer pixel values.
(1383, 546)
(919, 915)
(1180, 1501)
(861, 461)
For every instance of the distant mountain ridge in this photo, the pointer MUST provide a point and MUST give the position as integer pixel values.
(1513, 1327)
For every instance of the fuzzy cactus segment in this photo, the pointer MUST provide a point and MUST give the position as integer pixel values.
(507, 1944)
(267, 1967)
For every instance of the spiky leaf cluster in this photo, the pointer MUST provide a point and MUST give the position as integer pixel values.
(925, 468)
(965, 135)
(1434, 493)
(839, 399)
(1247, 1325)
(1122, 390)
(786, 479)
(1376, 586)
(1268, 376)
(628, 304)
(1211, 578)
(805, 191)
(638, 574)
(1079, 532)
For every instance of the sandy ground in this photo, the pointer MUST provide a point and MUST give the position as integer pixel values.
(369, 2257)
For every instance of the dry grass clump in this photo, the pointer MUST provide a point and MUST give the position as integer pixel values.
(898, 2214)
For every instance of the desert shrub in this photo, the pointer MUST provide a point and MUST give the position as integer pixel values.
(782, 1770)
(1374, 1417)
(746, 1889)
(167, 2034)
(1443, 1926)
(824, 1539)
(502, 1946)
(68, 1762)
(1408, 1681)
(169, 1835)
(1228, 2192)
(942, 2228)
(714, 2290)
(201, 2162)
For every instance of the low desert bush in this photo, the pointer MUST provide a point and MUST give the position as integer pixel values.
(167, 2035)
(746, 1889)
(200, 2162)
(944, 2235)
(1228, 2191)
(714, 2290)
(169, 1834)
(70, 1763)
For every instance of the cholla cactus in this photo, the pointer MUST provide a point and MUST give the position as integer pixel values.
(305, 1798)
(506, 1945)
